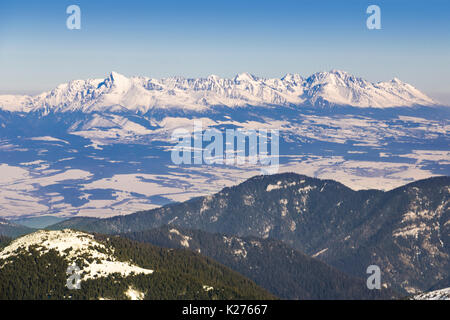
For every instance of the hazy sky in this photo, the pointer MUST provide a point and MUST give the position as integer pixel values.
(196, 38)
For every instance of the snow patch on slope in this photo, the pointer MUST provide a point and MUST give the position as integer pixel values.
(134, 294)
(184, 239)
(442, 294)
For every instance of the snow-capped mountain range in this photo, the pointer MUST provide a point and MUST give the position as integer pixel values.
(142, 94)
(103, 147)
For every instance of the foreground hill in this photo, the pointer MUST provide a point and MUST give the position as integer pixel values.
(34, 267)
(283, 271)
(405, 231)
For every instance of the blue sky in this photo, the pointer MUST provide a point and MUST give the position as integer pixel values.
(196, 38)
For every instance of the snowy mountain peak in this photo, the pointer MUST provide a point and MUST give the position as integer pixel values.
(138, 94)
(245, 76)
(338, 87)
(115, 74)
(291, 77)
(331, 76)
(397, 81)
(339, 73)
(117, 80)
(213, 77)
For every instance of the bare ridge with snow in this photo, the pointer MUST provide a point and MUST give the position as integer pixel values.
(99, 260)
(141, 94)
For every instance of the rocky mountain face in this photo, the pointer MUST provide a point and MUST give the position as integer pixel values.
(273, 265)
(405, 231)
